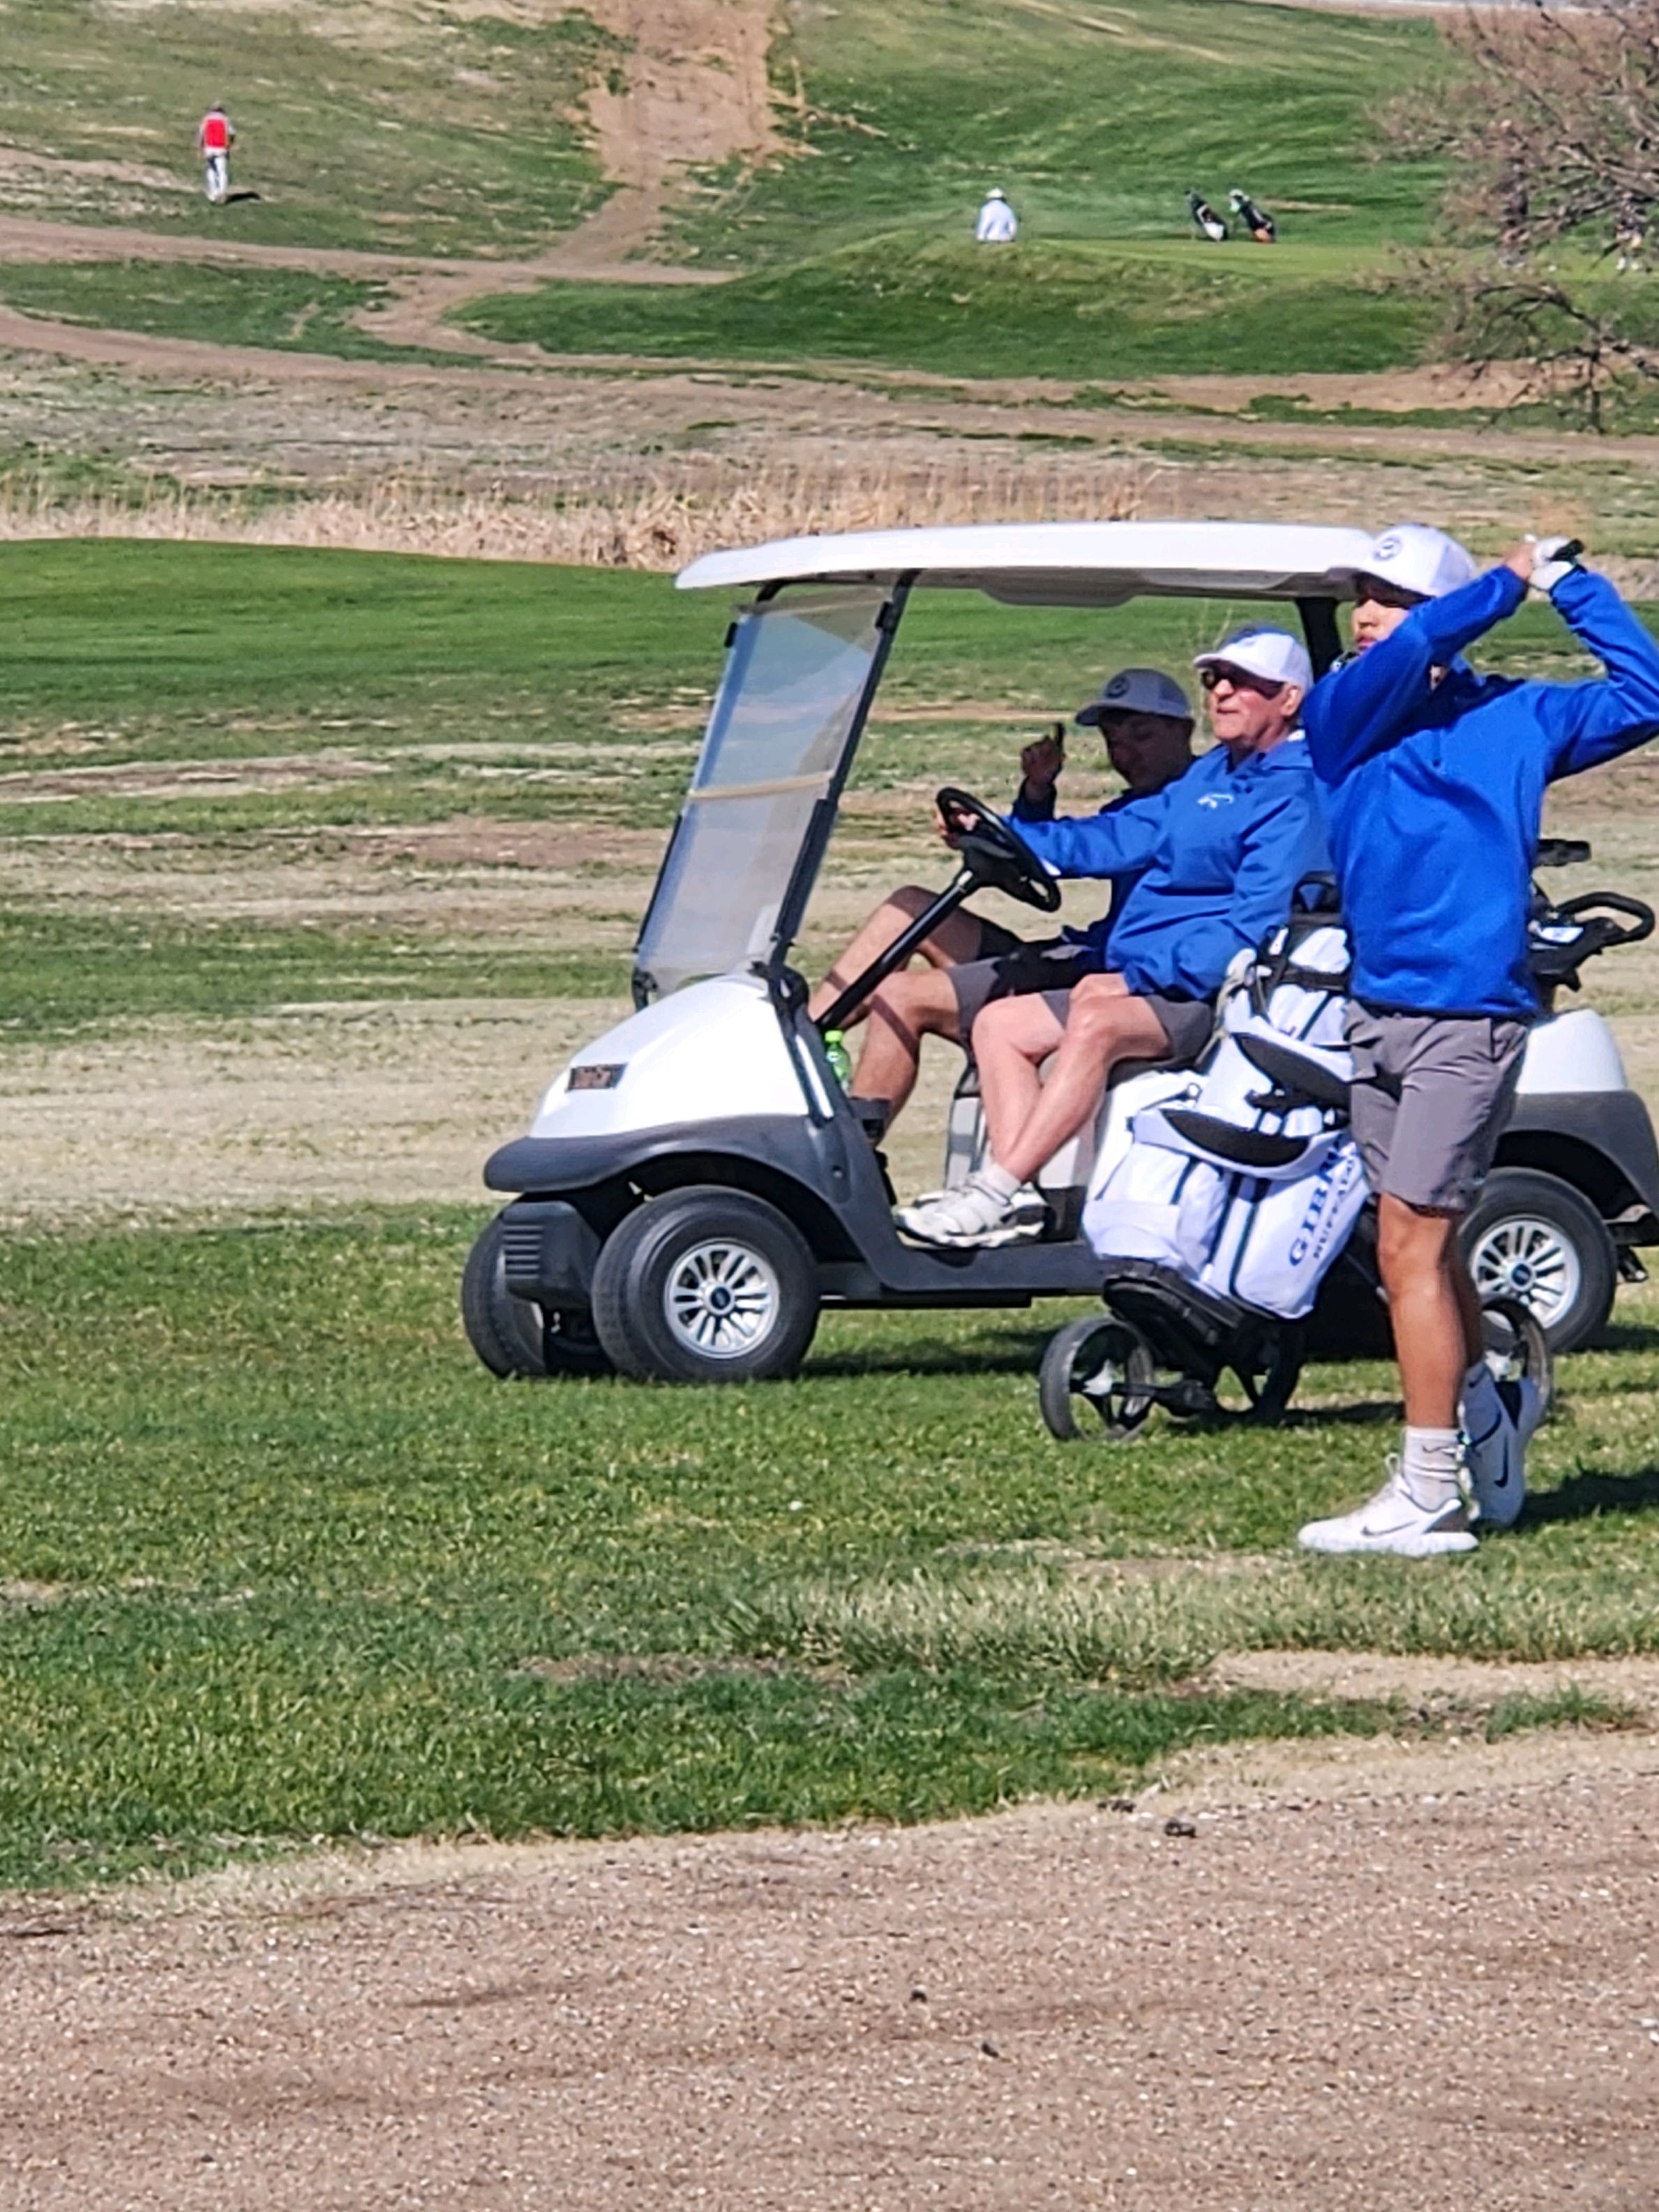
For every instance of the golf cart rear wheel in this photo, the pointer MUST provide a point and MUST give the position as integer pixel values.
(1096, 1379)
(514, 1337)
(1518, 1345)
(706, 1285)
(1532, 1237)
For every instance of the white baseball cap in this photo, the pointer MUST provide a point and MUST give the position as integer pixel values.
(1272, 654)
(996, 193)
(1136, 691)
(1417, 558)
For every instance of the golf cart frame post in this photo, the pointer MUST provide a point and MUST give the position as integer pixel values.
(711, 1122)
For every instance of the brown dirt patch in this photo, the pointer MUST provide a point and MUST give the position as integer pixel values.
(1373, 2002)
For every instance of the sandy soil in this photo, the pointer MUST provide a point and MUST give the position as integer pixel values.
(1389, 1991)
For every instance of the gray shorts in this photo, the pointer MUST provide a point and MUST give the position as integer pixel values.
(1187, 1022)
(1009, 967)
(1432, 1093)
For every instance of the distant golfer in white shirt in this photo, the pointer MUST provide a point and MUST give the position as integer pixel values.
(998, 224)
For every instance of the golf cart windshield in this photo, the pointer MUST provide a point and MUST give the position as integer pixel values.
(797, 684)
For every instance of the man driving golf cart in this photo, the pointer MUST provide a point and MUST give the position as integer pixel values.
(1146, 723)
(1210, 862)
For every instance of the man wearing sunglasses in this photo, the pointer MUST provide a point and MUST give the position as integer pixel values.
(1433, 782)
(1146, 724)
(1214, 858)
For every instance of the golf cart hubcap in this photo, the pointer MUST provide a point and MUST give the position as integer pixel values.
(1530, 1259)
(722, 1299)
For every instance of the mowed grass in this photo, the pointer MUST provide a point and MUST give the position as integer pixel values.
(285, 309)
(1041, 308)
(281, 1562)
(1095, 121)
(382, 125)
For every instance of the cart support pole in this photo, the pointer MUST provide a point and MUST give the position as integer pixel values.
(861, 986)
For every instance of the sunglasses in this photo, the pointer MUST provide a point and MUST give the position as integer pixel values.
(1237, 680)
(1382, 594)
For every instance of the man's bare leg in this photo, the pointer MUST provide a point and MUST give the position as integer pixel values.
(1027, 1120)
(1013, 1038)
(921, 1002)
(957, 940)
(1433, 1306)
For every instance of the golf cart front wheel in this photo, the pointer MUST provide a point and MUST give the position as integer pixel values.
(1096, 1379)
(514, 1337)
(706, 1285)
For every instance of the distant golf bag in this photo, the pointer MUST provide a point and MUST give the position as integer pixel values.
(1217, 1227)
(1208, 223)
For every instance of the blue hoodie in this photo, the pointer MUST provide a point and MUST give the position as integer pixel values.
(1215, 856)
(1434, 792)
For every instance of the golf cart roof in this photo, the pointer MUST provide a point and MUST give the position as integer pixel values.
(1062, 564)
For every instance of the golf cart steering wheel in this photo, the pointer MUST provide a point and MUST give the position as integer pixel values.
(991, 852)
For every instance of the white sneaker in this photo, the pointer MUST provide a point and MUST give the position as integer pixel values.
(1394, 1520)
(975, 1214)
(1498, 1474)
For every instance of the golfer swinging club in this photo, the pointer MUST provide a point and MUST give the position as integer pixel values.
(1432, 780)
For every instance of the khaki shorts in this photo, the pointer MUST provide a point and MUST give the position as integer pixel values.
(1432, 1093)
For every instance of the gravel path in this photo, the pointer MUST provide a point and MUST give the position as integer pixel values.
(1362, 2003)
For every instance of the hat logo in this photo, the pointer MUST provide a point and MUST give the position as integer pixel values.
(1117, 687)
(1389, 545)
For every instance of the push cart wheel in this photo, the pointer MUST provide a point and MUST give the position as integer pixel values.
(706, 1285)
(1517, 1344)
(1097, 1379)
(1269, 1379)
(514, 1337)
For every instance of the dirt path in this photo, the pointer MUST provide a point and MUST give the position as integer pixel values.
(1373, 1997)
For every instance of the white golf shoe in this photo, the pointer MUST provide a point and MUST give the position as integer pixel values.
(1397, 1521)
(975, 1213)
(1498, 1475)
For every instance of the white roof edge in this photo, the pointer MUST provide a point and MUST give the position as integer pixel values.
(1031, 561)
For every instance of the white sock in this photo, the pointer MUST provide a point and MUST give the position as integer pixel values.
(998, 1179)
(1482, 1406)
(1432, 1465)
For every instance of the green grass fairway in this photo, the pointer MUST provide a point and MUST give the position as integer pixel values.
(282, 1563)
(1038, 309)
(282, 308)
(1094, 120)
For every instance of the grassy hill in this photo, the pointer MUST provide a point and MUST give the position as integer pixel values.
(452, 130)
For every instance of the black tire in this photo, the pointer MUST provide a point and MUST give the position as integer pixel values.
(706, 1285)
(1097, 1380)
(512, 1336)
(1269, 1375)
(1517, 1345)
(1533, 1237)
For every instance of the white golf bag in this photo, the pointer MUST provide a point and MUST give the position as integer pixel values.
(1247, 1184)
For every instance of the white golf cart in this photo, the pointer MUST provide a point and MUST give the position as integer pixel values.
(695, 1186)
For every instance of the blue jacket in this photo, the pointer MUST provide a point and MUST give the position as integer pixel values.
(1434, 792)
(1215, 856)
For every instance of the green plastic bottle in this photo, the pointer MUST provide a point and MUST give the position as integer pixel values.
(840, 1060)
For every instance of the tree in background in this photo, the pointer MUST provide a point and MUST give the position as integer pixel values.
(1551, 129)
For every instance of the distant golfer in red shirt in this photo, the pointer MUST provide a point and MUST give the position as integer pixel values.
(214, 138)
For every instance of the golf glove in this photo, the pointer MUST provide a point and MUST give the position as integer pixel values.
(1553, 558)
